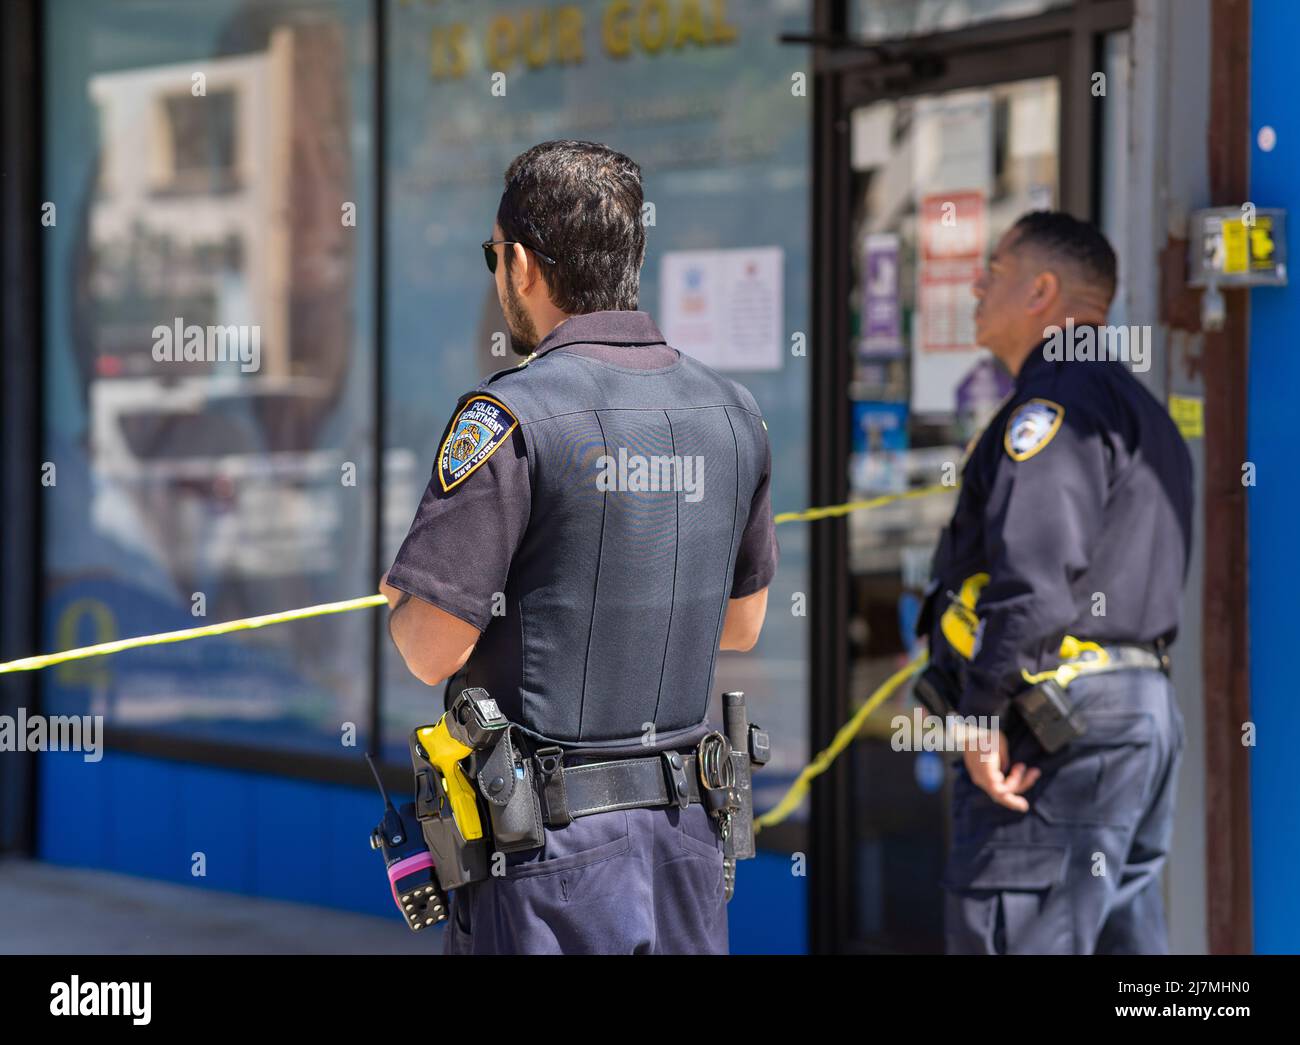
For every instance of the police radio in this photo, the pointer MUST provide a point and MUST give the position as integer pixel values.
(411, 873)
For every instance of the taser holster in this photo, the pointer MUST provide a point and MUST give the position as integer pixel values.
(446, 802)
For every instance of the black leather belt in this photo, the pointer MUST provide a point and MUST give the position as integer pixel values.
(569, 792)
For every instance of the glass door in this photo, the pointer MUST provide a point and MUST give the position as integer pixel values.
(935, 179)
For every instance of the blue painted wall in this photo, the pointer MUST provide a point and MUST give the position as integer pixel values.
(293, 840)
(1274, 502)
(261, 835)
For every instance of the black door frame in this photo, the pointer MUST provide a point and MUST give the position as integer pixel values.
(1065, 42)
(20, 401)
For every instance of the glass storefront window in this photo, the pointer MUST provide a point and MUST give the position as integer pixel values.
(705, 106)
(210, 303)
(208, 363)
(892, 19)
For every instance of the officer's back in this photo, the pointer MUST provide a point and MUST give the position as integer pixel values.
(641, 482)
(597, 527)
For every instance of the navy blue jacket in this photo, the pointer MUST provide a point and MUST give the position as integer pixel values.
(1076, 500)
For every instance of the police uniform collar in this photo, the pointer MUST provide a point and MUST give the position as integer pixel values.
(603, 328)
(1036, 361)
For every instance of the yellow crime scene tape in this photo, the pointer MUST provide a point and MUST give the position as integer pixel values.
(799, 789)
(834, 510)
(248, 623)
(787, 805)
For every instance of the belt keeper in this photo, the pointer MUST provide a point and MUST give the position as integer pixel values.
(550, 770)
(679, 786)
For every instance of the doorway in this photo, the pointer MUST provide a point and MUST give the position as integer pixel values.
(927, 150)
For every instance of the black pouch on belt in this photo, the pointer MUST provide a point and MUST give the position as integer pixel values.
(505, 780)
(1050, 715)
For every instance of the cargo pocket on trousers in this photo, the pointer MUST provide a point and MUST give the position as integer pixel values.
(1103, 778)
(583, 842)
(1003, 902)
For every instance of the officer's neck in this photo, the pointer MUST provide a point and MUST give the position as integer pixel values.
(1075, 318)
(547, 319)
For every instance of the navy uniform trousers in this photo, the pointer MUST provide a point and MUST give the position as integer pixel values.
(635, 881)
(1080, 872)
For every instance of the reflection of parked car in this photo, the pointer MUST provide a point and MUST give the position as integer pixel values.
(199, 475)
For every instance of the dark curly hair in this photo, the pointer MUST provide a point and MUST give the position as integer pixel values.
(580, 204)
(1079, 243)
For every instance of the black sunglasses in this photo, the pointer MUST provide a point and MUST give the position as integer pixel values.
(490, 255)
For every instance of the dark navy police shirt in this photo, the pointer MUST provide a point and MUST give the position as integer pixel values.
(458, 552)
(1076, 500)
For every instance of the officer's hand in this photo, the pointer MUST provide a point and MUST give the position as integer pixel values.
(987, 763)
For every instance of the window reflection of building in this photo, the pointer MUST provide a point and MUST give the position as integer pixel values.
(194, 143)
(216, 203)
(224, 214)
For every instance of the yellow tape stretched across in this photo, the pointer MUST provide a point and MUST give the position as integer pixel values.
(799, 789)
(365, 601)
(834, 510)
(35, 663)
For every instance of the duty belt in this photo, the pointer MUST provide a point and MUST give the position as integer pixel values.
(484, 787)
(568, 792)
(1048, 711)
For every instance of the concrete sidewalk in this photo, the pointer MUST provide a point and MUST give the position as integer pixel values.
(45, 909)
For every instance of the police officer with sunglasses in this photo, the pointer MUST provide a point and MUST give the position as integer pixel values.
(597, 527)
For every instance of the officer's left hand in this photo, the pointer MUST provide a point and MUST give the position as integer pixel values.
(987, 764)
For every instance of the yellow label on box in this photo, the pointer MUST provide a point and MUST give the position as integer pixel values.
(1236, 246)
(1188, 413)
(1262, 246)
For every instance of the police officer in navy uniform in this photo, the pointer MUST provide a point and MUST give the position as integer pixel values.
(597, 527)
(1074, 524)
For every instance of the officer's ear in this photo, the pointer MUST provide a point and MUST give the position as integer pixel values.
(1044, 291)
(522, 268)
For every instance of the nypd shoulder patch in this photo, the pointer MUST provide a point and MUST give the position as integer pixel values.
(481, 426)
(1031, 427)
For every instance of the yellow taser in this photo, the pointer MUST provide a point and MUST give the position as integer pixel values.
(445, 753)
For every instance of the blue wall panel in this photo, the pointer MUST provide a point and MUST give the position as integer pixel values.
(288, 840)
(294, 840)
(217, 820)
(1274, 502)
(72, 823)
(769, 912)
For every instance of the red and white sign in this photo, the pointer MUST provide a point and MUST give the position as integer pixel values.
(952, 235)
